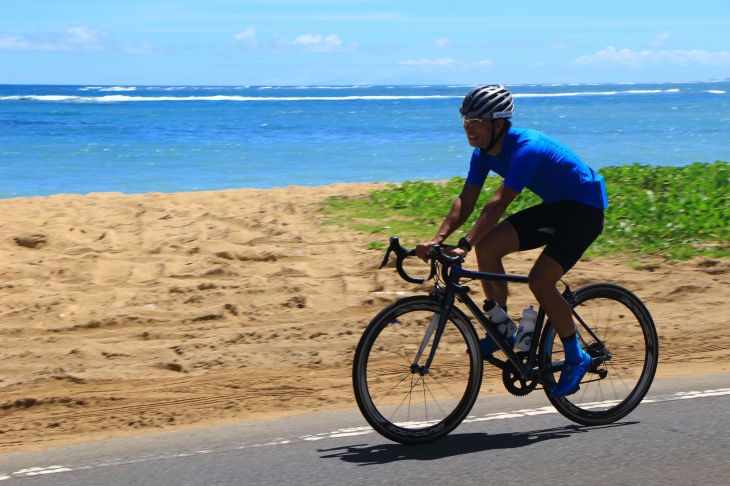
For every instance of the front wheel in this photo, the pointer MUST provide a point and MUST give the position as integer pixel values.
(399, 399)
(625, 349)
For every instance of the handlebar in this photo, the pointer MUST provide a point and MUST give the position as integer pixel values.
(437, 256)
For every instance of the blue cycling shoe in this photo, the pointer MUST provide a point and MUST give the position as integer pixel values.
(570, 377)
(488, 345)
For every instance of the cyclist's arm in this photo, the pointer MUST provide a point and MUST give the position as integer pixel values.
(492, 213)
(458, 214)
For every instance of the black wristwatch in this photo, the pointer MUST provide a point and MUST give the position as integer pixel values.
(464, 243)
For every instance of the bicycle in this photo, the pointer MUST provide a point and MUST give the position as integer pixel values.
(418, 366)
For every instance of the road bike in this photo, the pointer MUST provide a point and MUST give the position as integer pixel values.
(418, 366)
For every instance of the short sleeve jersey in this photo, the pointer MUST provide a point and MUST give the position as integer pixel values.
(533, 160)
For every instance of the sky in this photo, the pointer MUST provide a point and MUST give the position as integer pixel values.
(361, 42)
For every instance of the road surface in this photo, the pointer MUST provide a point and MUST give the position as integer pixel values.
(680, 434)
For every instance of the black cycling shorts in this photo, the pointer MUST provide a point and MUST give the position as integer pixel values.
(576, 226)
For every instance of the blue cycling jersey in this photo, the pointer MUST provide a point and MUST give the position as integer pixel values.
(533, 160)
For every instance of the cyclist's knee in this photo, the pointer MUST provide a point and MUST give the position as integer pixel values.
(500, 242)
(544, 275)
(539, 285)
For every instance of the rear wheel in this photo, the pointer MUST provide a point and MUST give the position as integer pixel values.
(397, 398)
(625, 349)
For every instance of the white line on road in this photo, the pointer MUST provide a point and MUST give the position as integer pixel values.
(346, 432)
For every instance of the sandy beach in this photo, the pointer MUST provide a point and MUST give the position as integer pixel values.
(131, 314)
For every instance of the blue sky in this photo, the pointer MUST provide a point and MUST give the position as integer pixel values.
(346, 42)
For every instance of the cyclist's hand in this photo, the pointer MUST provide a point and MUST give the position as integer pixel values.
(423, 250)
(455, 251)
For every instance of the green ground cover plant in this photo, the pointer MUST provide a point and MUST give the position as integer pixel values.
(670, 212)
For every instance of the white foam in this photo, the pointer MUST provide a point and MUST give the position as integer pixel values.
(555, 95)
(119, 98)
(40, 98)
(119, 88)
(594, 93)
(126, 98)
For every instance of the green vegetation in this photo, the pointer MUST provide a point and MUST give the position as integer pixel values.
(670, 212)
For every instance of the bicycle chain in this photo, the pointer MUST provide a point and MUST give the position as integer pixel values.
(510, 380)
(581, 383)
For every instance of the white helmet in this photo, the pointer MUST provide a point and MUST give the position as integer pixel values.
(491, 101)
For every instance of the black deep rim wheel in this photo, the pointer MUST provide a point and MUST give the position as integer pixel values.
(397, 399)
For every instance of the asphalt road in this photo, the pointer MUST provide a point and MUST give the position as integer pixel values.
(679, 435)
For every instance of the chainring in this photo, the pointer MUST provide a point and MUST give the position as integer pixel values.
(512, 380)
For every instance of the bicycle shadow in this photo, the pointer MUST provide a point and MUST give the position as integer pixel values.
(453, 445)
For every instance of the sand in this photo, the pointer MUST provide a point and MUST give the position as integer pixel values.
(131, 314)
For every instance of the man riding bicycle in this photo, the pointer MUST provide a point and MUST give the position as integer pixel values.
(573, 200)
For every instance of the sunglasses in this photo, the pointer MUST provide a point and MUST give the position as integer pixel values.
(473, 122)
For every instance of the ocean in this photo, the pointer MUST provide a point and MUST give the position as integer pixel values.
(138, 139)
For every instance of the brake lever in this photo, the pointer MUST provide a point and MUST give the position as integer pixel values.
(435, 251)
(385, 258)
(438, 255)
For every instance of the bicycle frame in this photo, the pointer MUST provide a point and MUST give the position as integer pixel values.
(454, 291)
(452, 273)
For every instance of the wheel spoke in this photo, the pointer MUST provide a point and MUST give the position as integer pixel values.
(400, 402)
(625, 328)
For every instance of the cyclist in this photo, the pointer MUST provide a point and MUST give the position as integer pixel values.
(573, 200)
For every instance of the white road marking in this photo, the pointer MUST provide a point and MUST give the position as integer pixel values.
(37, 471)
(346, 432)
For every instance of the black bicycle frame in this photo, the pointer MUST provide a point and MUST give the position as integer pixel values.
(525, 370)
(451, 274)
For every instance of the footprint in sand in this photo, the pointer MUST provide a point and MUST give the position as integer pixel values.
(30, 241)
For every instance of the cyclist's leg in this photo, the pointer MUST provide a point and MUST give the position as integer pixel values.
(543, 279)
(519, 232)
(516, 233)
(576, 226)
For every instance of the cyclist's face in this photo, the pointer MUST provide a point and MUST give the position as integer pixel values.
(478, 131)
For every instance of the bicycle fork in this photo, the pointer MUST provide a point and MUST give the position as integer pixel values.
(435, 330)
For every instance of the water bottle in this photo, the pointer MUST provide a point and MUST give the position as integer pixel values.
(499, 317)
(527, 329)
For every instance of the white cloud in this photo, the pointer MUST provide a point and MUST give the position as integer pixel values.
(317, 43)
(441, 43)
(14, 43)
(247, 38)
(142, 48)
(85, 38)
(610, 56)
(74, 39)
(660, 39)
(447, 62)
(312, 43)
(80, 38)
(429, 62)
(562, 44)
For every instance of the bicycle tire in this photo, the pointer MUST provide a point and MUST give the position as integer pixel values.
(625, 326)
(405, 406)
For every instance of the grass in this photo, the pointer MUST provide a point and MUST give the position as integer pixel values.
(674, 213)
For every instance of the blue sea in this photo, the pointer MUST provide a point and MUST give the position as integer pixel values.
(137, 139)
